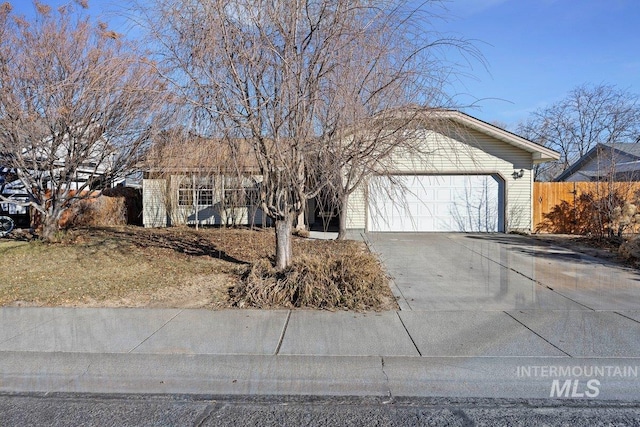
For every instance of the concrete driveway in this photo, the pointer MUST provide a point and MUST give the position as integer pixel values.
(441, 271)
(508, 296)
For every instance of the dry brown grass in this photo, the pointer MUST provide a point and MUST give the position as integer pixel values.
(99, 269)
(181, 267)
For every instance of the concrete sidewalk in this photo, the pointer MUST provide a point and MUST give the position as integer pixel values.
(404, 353)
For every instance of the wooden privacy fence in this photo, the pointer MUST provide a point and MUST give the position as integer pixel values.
(548, 197)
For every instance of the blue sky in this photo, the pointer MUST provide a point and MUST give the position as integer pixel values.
(536, 50)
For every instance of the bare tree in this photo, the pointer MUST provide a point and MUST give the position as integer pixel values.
(76, 105)
(391, 76)
(587, 116)
(357, 152)
(290, 77)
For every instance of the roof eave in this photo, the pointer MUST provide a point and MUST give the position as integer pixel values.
(541, 158)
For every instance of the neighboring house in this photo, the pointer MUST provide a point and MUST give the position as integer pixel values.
(90, 160)
(13, 189)
(472, 176)
(89, 174)
(617, 162)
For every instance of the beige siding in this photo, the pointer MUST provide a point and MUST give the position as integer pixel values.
(469, 152)
(357, 204)
(161, 206)
(154, 213)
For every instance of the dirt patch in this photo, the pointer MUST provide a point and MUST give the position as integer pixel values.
(606, 249)
(207, 291)
(131, 266)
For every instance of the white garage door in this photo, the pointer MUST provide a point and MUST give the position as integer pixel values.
(470, 203)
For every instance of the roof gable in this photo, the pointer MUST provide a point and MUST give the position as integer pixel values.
(539, 153)
(627, 154)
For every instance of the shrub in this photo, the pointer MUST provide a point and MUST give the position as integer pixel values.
(347, 277)
(608, 216)
(301, 232)
(100, 211)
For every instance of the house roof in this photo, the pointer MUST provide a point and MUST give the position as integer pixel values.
(196, 154)
(180, 153)
(539, 152)
(631, 150)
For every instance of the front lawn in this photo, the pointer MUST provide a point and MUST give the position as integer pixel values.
(186, 268)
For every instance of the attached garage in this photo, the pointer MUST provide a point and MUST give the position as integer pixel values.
(470, 203)
(470, 176)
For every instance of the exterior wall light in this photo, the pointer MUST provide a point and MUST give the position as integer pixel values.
(518, 174)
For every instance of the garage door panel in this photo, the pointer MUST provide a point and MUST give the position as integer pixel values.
(441, 209)
(437, 203)
(426, 195)
(443, 195)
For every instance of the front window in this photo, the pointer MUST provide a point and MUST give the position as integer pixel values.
(240, 197)
(185, 197)
(240, 193)
(204, 194)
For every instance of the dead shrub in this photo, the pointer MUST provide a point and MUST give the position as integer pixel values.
(345, 276)
(132, 200)
(101, 211)
(630, 250)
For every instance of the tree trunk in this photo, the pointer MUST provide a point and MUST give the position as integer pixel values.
(195, 199)
(342, 217)
(283, 242)
(49, 228)
(50, 220)
(301, 220)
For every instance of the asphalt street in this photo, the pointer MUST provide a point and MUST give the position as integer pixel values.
(136, 410)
